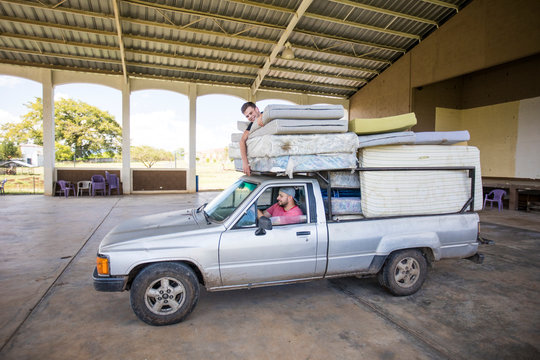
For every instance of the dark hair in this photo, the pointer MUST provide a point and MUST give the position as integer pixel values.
(247, 105)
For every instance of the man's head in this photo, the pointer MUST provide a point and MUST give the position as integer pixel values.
(250, 111)
(285, 196)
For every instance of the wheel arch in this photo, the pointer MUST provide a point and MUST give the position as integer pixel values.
(137, 269)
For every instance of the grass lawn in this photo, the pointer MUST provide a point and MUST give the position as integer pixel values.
(212, 175)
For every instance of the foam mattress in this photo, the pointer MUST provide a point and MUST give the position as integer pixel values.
(344, 179)
(382, 125)
(299, 126)
(391, 138)
(278, 111)
(345, 205)
(392, 193)
(441, 137)
(290, 164)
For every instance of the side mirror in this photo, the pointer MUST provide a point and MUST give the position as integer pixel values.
(264, 224)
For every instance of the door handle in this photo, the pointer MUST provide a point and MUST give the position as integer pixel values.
(301, 233)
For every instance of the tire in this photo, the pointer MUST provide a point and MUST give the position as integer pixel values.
(164, 293)
(404, 272)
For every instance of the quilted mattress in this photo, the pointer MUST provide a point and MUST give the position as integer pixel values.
(277, 111)
(290, 164)
(299, 126)
(441, 137)
(345, 205)
(382, 125)
(391, 193)
(391, 138)
(344, 179)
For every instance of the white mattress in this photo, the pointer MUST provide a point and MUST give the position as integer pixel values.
(344, 179)
(344, 205)
(300, 163)
(242, 125)
(277, 111)
(299, 126)
(278, 145)
(391, 138)
(390, 193)
(236, 137)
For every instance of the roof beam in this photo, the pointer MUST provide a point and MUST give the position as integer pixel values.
(277, 48)
(443, 4)
(386, 12)
(56, 8)
(120, 40)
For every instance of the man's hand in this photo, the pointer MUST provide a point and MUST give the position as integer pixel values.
(260, 120)
(246, 168)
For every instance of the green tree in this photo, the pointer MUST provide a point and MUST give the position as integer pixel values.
(89, 130)
(9, 150)
(149, 155)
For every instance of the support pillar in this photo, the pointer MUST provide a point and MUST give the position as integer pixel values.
(192, 138)
(126, 142)
(48, 132)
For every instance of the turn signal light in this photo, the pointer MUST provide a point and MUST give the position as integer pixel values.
(102, 265)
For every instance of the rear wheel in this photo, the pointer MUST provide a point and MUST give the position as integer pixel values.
(164, 293)
(404, 272)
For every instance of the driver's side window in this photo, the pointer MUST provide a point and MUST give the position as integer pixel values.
(249, 219)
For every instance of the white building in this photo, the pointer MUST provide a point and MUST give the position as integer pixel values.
(32, 154)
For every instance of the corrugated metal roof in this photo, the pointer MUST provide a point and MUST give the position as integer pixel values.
(339, 45)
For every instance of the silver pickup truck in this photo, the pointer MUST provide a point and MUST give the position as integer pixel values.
(163, 259)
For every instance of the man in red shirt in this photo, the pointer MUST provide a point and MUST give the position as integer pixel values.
(285, 210)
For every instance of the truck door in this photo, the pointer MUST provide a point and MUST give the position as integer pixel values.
(284, 253)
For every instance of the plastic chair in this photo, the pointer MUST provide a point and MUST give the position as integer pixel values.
(113, 182)
(66, 187)
(82, 186)
(495, 196)
(98, 183)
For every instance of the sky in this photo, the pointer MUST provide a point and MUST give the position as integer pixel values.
(159, 118)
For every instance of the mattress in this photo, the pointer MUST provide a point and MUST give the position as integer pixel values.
(345, 205)
(290, 164)
(344, 179)
(382, 125)
(441, 137)
(299, 126)
(278, 111)
(278, 145)
(242, 125)
(391, 193)
(391, 138)
(236, 137)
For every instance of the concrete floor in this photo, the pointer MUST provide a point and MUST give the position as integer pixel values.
(464, 310)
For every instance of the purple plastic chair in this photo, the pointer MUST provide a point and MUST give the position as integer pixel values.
(66, 187)
(495, 196)
(98, 184)
(113, 182)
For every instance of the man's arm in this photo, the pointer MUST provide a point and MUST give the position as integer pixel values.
(243, 153)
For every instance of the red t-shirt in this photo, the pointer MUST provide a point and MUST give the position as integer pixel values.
(291, 216)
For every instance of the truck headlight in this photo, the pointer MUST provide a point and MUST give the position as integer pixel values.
(102, 265)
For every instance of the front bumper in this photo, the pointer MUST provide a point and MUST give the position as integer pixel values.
(108, 284)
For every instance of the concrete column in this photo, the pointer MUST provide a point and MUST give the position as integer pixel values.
(48, 131)
(192, 138)
(126, 142)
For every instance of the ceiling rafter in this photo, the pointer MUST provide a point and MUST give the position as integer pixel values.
(358, 5)
(176, 56)
(281, 42)
(120, 40)
(312, 15)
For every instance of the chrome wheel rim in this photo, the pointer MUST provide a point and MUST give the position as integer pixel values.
(407, 272)
(165, 296)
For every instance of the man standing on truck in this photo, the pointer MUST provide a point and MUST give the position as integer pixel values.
(285, 210)
(252, 113)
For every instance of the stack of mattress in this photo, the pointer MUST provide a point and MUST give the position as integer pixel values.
(298, 138)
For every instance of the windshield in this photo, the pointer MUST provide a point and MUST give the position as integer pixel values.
(228, 201)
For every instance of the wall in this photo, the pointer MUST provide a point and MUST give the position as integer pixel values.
(484, 34)
(507, 135)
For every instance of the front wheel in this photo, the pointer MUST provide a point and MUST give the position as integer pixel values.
(404, 272)
(164, 293)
